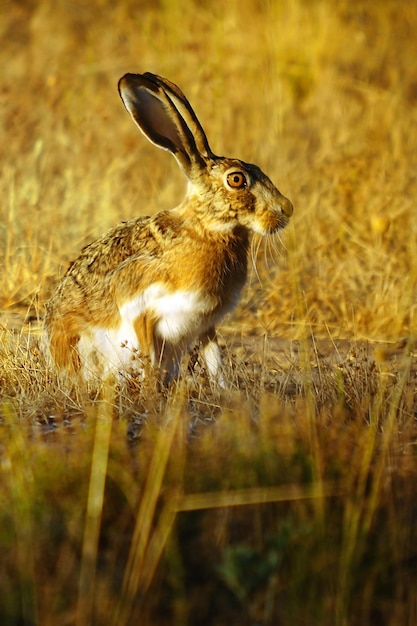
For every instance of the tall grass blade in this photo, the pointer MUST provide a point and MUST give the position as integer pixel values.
(147, 544)
(18, 467)
(95, 501)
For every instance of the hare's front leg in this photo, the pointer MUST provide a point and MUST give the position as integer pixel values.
(212, 356)
(161, 354)
(149, 345)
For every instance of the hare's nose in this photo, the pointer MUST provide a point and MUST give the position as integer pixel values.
(286, 206)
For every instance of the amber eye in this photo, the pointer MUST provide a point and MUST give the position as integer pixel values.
(236, 180)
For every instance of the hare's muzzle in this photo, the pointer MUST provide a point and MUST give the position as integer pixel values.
(275, 217)
(286, 207)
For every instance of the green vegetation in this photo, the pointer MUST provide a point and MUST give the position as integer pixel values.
(290, 498)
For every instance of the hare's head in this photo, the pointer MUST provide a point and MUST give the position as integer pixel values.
(226, 193)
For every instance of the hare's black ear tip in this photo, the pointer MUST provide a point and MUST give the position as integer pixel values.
(126, 79)
(123, 83)
(131, 80)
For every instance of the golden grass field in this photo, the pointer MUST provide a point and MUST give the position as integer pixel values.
(290, 498)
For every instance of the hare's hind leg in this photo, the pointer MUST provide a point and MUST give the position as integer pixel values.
(62, 342)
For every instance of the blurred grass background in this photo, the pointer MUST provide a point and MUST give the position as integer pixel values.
(294, 502)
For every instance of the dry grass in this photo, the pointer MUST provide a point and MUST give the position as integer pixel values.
(290, 498)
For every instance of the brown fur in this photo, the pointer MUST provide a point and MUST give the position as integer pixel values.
(198, 248)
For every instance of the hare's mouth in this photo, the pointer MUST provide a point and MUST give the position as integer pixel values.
(270, 223)
(283, 221)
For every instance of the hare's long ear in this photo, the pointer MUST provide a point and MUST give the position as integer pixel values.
(166, 118)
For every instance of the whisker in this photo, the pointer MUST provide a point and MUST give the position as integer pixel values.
(267, 253)
(254, 250)
(282, 246)
(273, 248)
(271, 253)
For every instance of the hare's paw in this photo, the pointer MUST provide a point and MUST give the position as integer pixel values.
(212, 356)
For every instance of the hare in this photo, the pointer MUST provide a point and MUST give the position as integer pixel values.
(151, 286)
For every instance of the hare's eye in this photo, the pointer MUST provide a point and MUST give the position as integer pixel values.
(236, 180)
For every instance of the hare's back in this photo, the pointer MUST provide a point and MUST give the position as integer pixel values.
(106, 253)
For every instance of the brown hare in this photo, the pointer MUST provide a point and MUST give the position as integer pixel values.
(153, 285)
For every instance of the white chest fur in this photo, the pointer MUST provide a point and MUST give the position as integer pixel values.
(181, 316)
